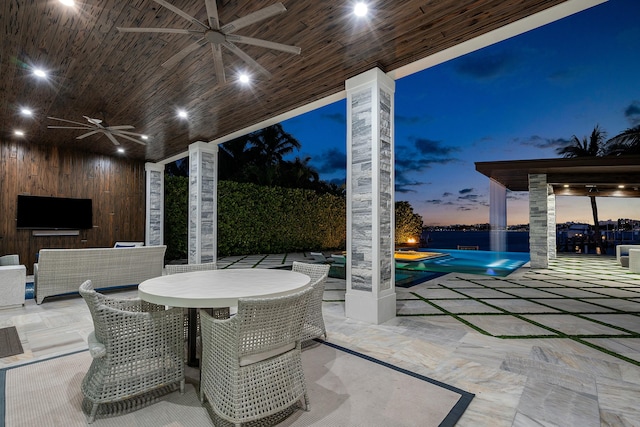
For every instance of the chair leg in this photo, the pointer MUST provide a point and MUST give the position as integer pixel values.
(94, 411)
(304, 402)
(182, 386)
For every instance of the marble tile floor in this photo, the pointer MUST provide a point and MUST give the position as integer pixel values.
(553, 347)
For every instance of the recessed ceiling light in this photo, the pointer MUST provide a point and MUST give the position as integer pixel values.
(18, 133)
(120, 150)
(39, 72)
(145, 137)
(244, 78)
(566, 186)
(182, 114)
(360, 9)
(26, 112)
(620, 186)
(67, 2)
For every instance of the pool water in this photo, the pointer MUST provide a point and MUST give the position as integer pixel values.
(486, 263)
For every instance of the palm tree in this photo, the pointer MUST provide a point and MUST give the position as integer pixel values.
(592, 147)
(626, 143)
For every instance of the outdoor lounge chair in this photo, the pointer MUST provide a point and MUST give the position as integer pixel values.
(319, 257)
(251, 363)
(314, 322)
(136, 347)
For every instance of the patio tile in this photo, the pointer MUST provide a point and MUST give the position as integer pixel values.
(530, 293)
(573, 293)
(574, 306)
(465, 306)
(572, 325)
(485, 293)
(627, 321)
(415, 307)
(520, 306)
(628, 347)
(505, 325)
(439, 294)
(629, 306)
(620, 293)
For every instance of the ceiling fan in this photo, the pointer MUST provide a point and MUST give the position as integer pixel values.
(219, 36)
(98, 126)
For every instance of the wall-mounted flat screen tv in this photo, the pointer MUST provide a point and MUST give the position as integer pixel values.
(54, 213)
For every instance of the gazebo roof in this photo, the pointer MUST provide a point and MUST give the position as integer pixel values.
(605, 176)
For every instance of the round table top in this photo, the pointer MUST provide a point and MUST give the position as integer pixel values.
(220, 288)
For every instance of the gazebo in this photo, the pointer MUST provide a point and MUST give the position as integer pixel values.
(545, 179)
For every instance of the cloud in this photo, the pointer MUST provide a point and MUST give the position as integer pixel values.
(434, 148)
(447, 194)
(543, 143)
(434, 201)
(632, 113)
(469, 197)
(465, 191)
(464, 208)
(336, 117)
(405, 185)
(485, 65)
(332, 160)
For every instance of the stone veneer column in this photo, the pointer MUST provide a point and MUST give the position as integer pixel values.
(154, 211)
(203, 193)
(498, 216)
(542, 222)
(370, 266)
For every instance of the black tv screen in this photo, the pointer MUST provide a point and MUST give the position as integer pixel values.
(54, 213)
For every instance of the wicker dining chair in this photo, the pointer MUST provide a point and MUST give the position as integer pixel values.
(251, 363)
(136, 347)
(314, 321)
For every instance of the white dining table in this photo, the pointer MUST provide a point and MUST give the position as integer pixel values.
(218, 288)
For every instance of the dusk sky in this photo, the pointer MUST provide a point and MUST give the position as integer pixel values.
(518, 99)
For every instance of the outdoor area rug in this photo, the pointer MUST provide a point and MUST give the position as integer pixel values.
(345, 389)
(9, 342)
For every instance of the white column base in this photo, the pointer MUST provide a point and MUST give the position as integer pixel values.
(364, 306)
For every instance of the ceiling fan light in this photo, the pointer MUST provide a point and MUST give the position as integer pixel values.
(244, 78)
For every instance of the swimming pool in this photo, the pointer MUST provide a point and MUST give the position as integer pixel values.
(487, 263)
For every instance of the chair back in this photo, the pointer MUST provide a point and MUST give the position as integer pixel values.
(186, 268)
(266, 324)
(317, 272)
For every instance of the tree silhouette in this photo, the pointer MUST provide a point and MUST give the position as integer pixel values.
(591, 147)
(626, 143)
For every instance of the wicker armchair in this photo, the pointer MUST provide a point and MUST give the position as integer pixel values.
(314, 322)
(251, 364)
(136, 347)
(186, 268)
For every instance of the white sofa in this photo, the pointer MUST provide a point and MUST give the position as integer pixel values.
(622, 254)
(62, 271)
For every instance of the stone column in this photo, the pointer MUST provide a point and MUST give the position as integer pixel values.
(370, 269)
(203, 210)
(542, 223)
(154, 211)
(498, 216)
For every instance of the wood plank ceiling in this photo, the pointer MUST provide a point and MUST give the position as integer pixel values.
(100, 72)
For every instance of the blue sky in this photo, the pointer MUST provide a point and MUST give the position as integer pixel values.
(518, 99)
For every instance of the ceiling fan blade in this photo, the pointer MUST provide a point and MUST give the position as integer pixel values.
(246, 58)
(154, 30)
(180, 12)
(93, 132)
(70, 121)
(212, 14)
(264, 43)
(217, 63)
(120, 127)
(171, 62)
(252, 18)
(127, 133)
(130, 139)
(112, 138)
(70, 127)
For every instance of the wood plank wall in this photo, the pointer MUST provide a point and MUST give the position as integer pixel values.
(116, 186)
